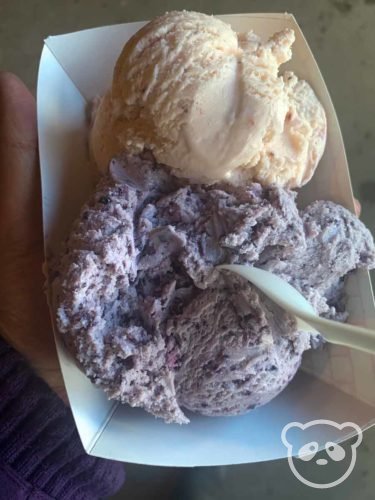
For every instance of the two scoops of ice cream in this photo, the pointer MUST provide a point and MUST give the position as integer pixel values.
(200, 141)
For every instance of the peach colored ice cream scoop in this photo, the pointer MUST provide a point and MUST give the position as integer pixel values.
(209, 103)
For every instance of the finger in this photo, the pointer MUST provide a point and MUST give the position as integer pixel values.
(357, 207)
(24, 318)
(20, 206)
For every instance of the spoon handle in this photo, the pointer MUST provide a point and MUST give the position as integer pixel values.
(345, 334)
(292, 301)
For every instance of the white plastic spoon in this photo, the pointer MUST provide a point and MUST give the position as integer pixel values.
(289, 299)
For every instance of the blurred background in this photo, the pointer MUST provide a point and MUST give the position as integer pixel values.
(342, 38)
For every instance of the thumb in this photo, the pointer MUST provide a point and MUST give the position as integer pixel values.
(24, 318)
(20, 204)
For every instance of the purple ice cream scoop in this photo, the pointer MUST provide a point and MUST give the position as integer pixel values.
(150, 320)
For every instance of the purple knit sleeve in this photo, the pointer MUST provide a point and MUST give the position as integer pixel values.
(41, 455)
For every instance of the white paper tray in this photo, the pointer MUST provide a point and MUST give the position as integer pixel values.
(76, 67)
